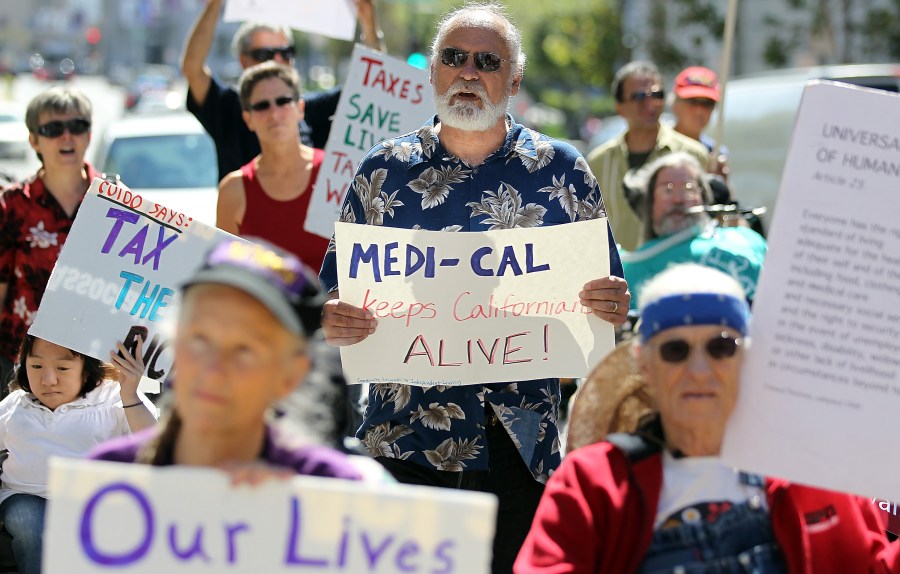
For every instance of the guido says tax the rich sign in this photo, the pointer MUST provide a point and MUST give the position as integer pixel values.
(118, 275)
(382, 98)
(468, 308)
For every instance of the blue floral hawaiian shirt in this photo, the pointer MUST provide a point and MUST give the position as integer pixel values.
(413, 182)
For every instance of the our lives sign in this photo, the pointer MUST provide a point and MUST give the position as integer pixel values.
(468, 308)
(107, 517)
(118, 275)
(383, 97)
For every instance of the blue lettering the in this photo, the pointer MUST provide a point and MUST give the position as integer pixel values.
(129, 279)
(87, 537)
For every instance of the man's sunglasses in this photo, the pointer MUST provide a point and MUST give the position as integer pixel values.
(56, 128)
(266, 54)
(654, 93)
(484, 61)
(264, 105)
(719, 347)
(702, 102)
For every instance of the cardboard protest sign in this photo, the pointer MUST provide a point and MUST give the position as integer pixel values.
(821, 384)
(118, 275)
(383, 98)
(468, 308)
(335, 19)
(141, 518)
(890, 515)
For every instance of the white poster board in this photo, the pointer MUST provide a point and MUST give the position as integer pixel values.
(335, 19)
(383, 97)
(469, 308)
(105, 516)
(820, 390)
(119, 272)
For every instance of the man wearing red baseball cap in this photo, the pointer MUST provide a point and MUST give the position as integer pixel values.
(696, 93)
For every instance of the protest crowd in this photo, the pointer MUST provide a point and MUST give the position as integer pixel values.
(266, 308)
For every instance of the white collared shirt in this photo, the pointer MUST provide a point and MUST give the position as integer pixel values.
(32, 433)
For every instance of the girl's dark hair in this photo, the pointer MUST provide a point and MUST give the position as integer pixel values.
(94, 371)
(160, 450)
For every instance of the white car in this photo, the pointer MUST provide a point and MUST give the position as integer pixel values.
(13, 133)
(167, 158)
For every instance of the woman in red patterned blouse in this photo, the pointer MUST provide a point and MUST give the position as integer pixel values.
(36, 214)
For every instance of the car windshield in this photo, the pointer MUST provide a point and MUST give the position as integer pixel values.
(165, 161)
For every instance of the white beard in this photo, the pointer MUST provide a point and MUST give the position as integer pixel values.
(465, 115)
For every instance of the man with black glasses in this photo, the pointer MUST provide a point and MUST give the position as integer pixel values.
(640, 99)
(37, 214)
(472, 168)
(218, 106)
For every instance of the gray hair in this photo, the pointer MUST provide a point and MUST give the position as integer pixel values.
(57, 100)
(264, 70)
(473, 15)
(637, 69)
(243, 38)
(639, 184)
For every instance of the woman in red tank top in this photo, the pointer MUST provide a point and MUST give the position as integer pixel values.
(269, 196)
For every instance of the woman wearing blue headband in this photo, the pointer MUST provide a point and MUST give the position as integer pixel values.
(661, 500)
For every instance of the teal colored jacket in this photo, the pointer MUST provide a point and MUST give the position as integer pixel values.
(738, 251)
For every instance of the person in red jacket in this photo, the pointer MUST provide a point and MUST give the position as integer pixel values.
(661, 500)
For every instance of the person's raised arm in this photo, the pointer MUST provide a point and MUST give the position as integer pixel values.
(130, 370)
(231, 204)
(368, 22)
(196, 49)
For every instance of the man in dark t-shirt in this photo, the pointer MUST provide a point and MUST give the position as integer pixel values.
(218, 107)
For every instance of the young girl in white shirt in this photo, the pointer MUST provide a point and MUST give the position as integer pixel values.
(64, 404)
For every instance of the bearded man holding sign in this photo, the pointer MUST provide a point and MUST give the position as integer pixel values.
(499, 438)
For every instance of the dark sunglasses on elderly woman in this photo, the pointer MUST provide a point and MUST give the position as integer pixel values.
(56, 128)
(266, 54)
(484, 61)
(719, 347)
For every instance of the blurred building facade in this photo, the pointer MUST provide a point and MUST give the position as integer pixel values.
(768, 33)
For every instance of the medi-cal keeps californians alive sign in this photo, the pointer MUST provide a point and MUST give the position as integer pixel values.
(382, 98)
(106, 517)
(475, 307)
(119, 273)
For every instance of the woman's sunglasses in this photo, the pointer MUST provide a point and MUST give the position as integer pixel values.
(484, 61)
(264, 105)
(56, 128)
(266, 54)
(719, 347)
